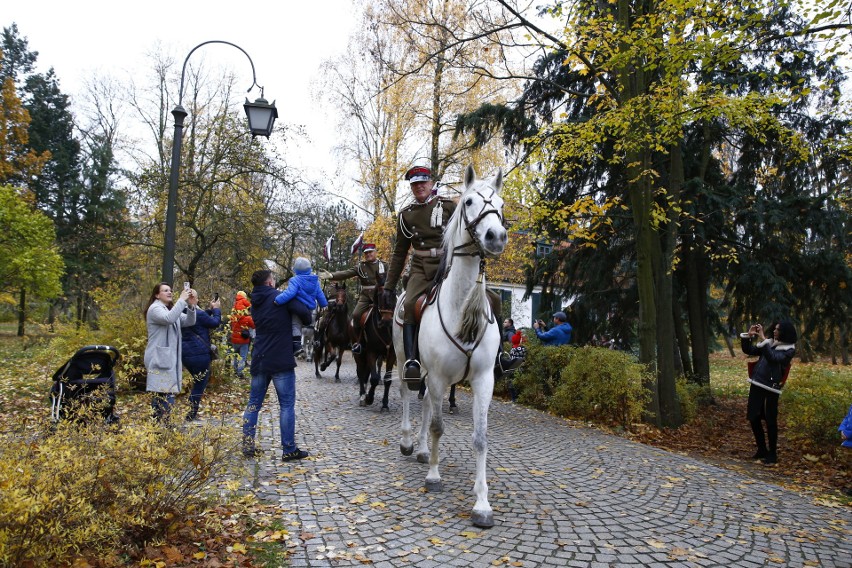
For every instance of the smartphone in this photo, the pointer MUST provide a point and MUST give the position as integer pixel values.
(215, 296)
(186, 285)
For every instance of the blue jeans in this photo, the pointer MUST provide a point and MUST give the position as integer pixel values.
(161, 405)
(200, 377)
(285, 388)
(241, 350)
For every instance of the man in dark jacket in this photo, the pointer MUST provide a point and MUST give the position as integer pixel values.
(196, 353)
(272, 361)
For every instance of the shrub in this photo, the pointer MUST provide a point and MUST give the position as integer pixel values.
(601, 385)
(691, 397)
(813, 404)
(93, 488)
(538, 378)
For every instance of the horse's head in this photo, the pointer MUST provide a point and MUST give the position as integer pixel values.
(383, 306)
(482, 212)
(339, 297)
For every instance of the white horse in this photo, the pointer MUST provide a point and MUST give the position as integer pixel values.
(459, 336)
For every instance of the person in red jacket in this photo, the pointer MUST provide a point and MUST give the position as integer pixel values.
(242, 329)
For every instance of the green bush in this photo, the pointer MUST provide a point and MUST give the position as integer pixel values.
(538, 378)
(813, 404)
(94, 488)
(601, 385)
(692, 397)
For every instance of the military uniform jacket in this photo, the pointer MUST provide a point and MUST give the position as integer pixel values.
(367, 273)
(421, 227)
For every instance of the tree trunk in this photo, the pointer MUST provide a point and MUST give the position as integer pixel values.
(682, 341)
(22, 312)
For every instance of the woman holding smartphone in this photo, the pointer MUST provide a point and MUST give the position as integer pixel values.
(164, 319)
(767, 379)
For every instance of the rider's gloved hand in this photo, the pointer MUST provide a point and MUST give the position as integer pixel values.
(324, 274)
(388, 297)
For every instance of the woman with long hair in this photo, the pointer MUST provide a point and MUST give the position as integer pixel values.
(164, 319)
(767, 379)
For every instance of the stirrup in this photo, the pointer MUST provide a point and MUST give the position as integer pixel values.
(356, 348)
(411, 375)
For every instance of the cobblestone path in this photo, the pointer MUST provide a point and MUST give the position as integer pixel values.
(563, 495)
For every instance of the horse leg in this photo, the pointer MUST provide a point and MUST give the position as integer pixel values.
(330, 356)
(453, 398)
(482, 515)
(436, 430)
(406, 443)
(339, 361)
(372, 361)
(427, 413)
(362, 384)
(318, 354)
(388, 378)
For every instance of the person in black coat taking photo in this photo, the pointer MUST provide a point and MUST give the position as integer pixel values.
(767, 378)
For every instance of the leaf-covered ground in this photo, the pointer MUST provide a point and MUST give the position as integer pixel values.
(719, 435)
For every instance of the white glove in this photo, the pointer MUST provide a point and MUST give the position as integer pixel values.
(324, 274)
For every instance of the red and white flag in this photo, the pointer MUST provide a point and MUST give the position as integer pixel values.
(357, 244)
(326, 251)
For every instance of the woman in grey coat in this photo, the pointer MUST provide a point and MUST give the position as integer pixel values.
(163, 353)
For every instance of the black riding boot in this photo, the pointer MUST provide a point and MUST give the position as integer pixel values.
(356, 347)
(506, 364)
(412, 365)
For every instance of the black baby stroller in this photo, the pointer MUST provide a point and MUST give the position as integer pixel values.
(87, 378)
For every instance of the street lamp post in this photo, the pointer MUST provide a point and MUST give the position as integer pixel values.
(261, 117)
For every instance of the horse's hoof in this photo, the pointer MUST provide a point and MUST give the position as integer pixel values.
(406, 450)
(361, 402)
(482, 520)
(384, 407)
(434, 486)
(423, 457)
(369, 400)
(452, 410)
(336, 379)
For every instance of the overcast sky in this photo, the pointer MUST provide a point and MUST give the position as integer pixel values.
(286, 39)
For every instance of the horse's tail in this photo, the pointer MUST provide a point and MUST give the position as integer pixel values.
(473, 314)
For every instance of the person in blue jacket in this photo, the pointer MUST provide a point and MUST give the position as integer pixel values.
(304, 287)
(846, 430)
(272, 361)
(196, 353)
(559, 334)
(846, 435)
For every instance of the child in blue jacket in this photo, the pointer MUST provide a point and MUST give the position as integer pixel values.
(305, 287)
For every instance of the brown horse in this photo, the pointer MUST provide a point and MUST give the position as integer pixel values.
(377, 348)
(333, 336)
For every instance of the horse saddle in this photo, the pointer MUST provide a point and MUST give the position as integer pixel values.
(425, 300)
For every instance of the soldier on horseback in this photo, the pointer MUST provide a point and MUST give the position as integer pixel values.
(421, 228)
(368, 272)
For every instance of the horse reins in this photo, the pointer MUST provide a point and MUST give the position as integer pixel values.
(465, 250)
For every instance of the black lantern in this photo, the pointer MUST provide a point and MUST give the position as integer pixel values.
(261, 116)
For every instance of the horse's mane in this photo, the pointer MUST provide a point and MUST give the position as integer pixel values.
(475, 307)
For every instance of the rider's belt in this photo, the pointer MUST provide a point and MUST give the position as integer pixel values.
(367, 288)
(429, 252)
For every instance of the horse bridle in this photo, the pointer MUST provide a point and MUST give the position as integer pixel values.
(465, 250)
(474, 248)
